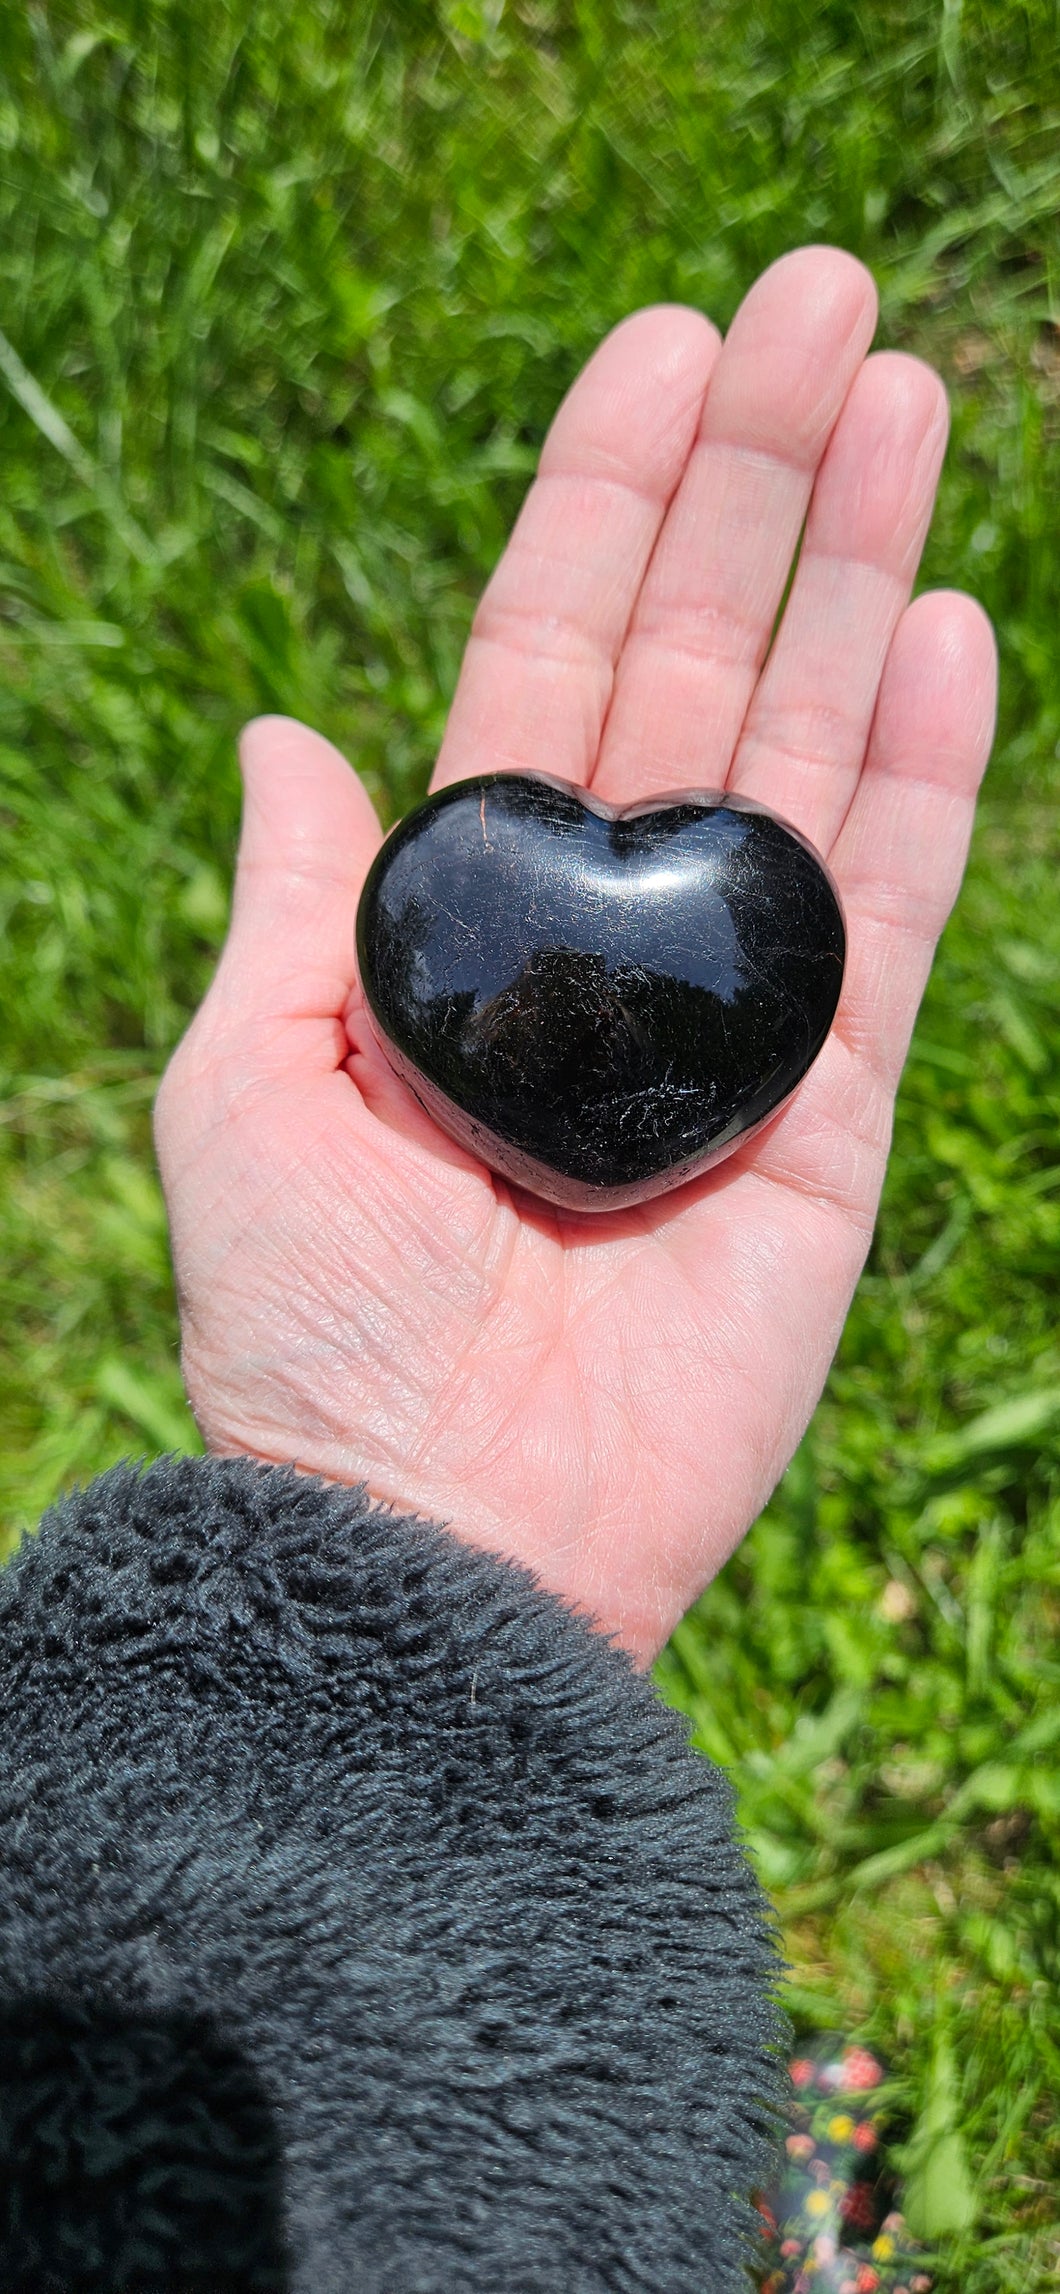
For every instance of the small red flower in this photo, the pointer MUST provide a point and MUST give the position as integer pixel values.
(801, 2071)
(769, 2220)
(867, 2279)
(860, 2069)
(864, 2137)
(857, 2208)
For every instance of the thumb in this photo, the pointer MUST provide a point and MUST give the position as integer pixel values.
(308, 837)
(278, 996)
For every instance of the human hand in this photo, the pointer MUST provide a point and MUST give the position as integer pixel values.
(607, 1398)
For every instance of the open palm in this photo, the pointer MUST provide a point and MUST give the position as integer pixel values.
(607, 1398)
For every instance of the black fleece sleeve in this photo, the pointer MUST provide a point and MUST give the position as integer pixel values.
(367, 1925)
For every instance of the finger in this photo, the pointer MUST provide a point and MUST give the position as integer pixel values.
(803, 741)
(898, 861)
(308, 836)
(536, 679)
(706, 610)
(899, 857)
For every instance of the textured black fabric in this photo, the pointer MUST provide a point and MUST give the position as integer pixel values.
(425, 1855)
(136, 2151)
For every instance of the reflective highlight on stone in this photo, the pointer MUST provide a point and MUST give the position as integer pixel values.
(599, 1001)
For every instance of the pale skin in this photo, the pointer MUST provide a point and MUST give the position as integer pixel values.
(607, 1399)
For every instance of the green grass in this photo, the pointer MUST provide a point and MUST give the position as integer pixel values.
(289, 295)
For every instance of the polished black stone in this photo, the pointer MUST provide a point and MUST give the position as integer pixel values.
(599, 1001)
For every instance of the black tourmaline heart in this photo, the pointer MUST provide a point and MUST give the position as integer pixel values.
(600, 1001)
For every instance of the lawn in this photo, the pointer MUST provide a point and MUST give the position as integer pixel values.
(288, 295)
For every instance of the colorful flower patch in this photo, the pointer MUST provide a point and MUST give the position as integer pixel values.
(830, 2225)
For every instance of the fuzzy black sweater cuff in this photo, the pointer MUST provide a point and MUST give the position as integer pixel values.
(366, 1921)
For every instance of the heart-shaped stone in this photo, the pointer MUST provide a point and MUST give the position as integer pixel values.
(599, 1001)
